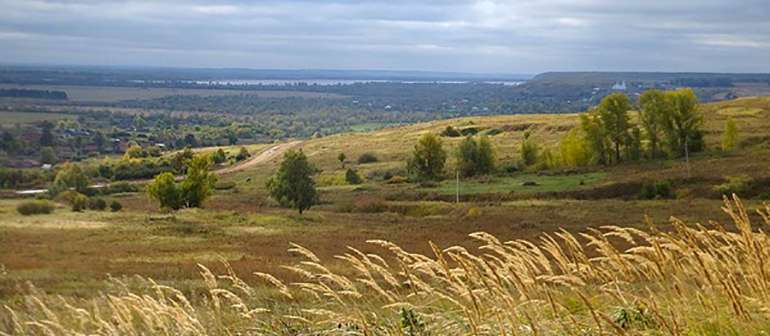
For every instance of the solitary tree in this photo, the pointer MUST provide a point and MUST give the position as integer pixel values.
(352, 177)
(730, 136)
(428, 158)
(341, 158)
(613, 113)
(292, 185)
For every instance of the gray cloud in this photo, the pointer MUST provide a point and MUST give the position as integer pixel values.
(451, 35)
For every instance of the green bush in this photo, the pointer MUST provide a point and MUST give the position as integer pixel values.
(35, 208)
(734, 185)
(115, 206)
(352, 177)
(451, 132)
(79, 203)
(119, 187)
(656, 190)
(367, 158)
(95, 203)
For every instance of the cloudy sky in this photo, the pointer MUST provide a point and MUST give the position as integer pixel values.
(515, 36)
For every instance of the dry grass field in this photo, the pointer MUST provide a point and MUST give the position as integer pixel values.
(664, 292)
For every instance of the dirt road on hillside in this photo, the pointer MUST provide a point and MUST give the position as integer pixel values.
(263, 157)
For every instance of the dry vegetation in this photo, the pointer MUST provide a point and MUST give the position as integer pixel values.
(694, 280)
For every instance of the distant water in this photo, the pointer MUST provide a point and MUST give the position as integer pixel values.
(334, 82)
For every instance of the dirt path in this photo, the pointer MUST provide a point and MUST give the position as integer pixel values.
(264, 156)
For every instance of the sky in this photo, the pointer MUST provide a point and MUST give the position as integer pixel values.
(516, 36)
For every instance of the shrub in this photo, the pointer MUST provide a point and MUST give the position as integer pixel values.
(243, 154)
(734, 185)
(451, 132)
(352, 177)
(119, 187)
(473, 212)
(67, 197)
(95, 203)
(367, 158)
(79, 203)
(115, 206)
(35, 208)
(656, 190)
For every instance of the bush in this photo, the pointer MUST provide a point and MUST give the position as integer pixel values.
(352, 177)
(79, 203)
(115, 206)
(656, 190)
(95, 203)
(119, 187)
(451, 132)
(367, 158)
(67, 197)
(734, 185)
(35, 208)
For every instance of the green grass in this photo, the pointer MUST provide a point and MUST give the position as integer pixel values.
(554, 183)
(9, 118)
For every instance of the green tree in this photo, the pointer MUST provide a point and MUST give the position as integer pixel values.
(292, 185)
(243, 154)
(165, 190)
(575, 150)
(475, 157)
(341, 158)
(47, 155)
(730, 136)
(654, 107)
(69, 176)
(613, 113)
(428, 158)
(199, 181)
(635, 144)
(529, 151)
(595, 137)
(682, 125)
(46, 137)
(134, 152)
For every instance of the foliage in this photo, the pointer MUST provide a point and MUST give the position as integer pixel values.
(613, 114)
(730, 135)
(70, 176)
(352, 177)
(367, 157)
(95, 203)
(198, 183)
(79, 203)
(243, 154)
(341, 158)
(475, 157)
(134, 152)
(451, 132)
(47, 155)
(656, 190)
(115, 206)
(119, 187)
(734, 185)
(292, 185)
(428, 158)
(682, 125)
(218, 156)
(529, 151)
(35, 207)
(17, 178)
(574, 149)
(654, 108)
(165, 190)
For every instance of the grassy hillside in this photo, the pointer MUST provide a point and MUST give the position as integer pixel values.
(71, 254)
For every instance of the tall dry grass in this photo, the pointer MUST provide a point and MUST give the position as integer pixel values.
(692, 280)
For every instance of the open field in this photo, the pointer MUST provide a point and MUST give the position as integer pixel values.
(112, 94)
(9, 118)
